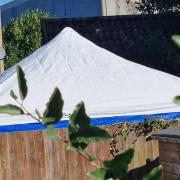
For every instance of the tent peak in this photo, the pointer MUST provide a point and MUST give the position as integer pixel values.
(68, 32)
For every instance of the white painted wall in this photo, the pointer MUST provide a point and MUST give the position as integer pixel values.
(118, 7)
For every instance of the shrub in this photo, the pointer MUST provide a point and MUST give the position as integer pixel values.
(22, 36)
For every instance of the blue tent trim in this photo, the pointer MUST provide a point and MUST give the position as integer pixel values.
(100, 121)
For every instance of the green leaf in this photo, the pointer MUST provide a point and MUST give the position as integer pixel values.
(54, 106)
(11, 109)
(38, 114)
(48, 120)
(177, 100)
(79, 117)
(92, 157)
(118, 166)
(71, 148)
(98, 174)
(176, 40)
(51, 133)
(115, 168)
(81, 133)
(155, 174)
(12, 94)
(92, 134)
(23, 89)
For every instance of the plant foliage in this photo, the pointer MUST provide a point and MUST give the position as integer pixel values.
(11, 109)
(135, 130)
(176, 40)
(51, 133)
(21, 83)
(98, 174)
(155, 174)
(54, 108)
(115, 168)
(118, 166)
(22, 36)
(80, 132)
(177, 100)
(157, 6)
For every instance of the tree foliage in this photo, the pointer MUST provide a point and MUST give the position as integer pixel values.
(158, 6)
(22, 36)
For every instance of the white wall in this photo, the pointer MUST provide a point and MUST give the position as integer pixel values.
(118, 7)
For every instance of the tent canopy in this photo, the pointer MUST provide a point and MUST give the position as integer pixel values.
(144, 39)
(112, 88)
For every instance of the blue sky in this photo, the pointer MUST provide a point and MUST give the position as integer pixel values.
(4, 1)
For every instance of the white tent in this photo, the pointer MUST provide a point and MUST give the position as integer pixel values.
(112, 88)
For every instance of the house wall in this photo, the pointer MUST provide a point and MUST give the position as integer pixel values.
(58, 8)
(68, 8)
(118, 7)
(1, 61)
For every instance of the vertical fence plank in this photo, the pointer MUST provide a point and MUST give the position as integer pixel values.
(38, 139)
(4, 157)
(22, 163)
(13, 156)
(49, 163)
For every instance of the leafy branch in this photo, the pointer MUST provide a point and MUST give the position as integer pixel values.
(23, 108)
(80, 131)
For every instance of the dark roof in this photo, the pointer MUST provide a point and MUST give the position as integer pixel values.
(173, 132)
(145, 39)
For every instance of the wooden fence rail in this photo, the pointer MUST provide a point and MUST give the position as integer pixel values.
(30, 156)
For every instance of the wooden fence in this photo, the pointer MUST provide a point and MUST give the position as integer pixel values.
(30, 156)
